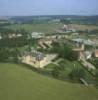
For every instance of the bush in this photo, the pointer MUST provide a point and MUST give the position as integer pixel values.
(77, 73)
(55, 72)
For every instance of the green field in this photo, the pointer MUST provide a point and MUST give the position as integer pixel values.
(44, 27)
(48, 28)
(19, 83)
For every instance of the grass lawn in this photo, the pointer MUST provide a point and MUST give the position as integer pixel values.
(19, 83)
(50, 67)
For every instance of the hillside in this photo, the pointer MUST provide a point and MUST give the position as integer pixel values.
(20, 83)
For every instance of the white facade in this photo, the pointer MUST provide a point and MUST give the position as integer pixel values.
(36, 35)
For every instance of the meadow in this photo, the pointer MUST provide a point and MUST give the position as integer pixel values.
(20, 83)
(48, 28)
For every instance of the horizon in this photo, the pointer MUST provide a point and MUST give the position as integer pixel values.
(48, 7)
(45, 15)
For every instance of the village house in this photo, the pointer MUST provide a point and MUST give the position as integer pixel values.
(13, 35)
(37, 35)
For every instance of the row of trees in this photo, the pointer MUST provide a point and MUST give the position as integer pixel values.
(94, 61)
(15, 41)
(9, 47)
(9, 55)
(96, 79)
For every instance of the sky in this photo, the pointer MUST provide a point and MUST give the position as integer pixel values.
(48, 7)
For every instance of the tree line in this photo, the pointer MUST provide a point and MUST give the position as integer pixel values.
(9, 47)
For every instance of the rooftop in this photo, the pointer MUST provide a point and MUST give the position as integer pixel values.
(87, 42)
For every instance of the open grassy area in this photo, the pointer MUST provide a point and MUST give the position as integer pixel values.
(19, 83)
(48, 28)
(44, 27)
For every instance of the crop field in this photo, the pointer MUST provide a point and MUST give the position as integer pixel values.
(84, 27)
(20, 83)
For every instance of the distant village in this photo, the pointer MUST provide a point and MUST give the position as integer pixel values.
(67, 33)
(39, 50)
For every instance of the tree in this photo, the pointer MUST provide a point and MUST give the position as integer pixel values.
(96, 79)
(55, 72)
(4, 54)
(77, 73)
(65, 51)
(96, 62)
(73, 56)
(15, 54)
